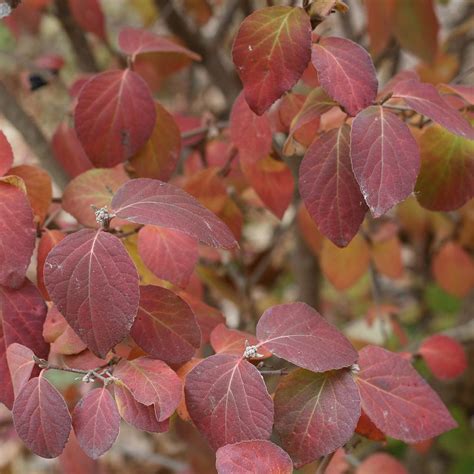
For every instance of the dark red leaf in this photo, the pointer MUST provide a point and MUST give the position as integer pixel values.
(73, 460)
(21, 364)
(380, 462)
(88, 15)
(165, 326)
(96, 422)
(17, 234)
(114, 117)
(41, 418)
(228, 401)
(426, 100)
(94, 283)
(136, 414)
(395, 397)
(345, 72)
(385, 158)
(271, 51)
(298, 333)
(366, 427)
(149, 201)
(329, 189)
(444, 356)
(49, 239)
(170, 254)
(253, 457)
(151, 382)
(315, 413)
(6, 154)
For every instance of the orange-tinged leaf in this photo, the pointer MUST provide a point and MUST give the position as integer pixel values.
(6, 154)
(200, 10)
(379, 23)
(271, 51)
(387, 257)
(443, 69)
(344, 267)
(366, 427)
(309, 230)
(182, 372)
(48, 240)
(380, 462)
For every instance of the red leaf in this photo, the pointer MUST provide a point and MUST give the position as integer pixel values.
(68, 151)
(329, 189)
(134, 41)
(41, 418)
(426, 100)
(88, 15)
(251, 134)
(253, 457)
(395, 397)
(345, 72)
(271, 51)
(444, 356)
(165, 326)
(380, 462)
(96, 422)
(151, 382)
(171, 255)
(136, 414)
(160, 155)
(21, 365)
(17, 234)
(366, 428)
(315, 413)
(149, 201)
(73, 460)
(6, 154)
(379, 23)
(92, 188)
(49, 239)
(299, 334)
(94, 284)
(338, 464)
(385, 158)
(114, 117)
(228, 401)
(232, 341)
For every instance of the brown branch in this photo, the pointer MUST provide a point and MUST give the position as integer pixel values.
(32, 134)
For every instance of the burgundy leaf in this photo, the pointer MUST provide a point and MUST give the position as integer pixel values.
(228, 401)
(271, 51)
(21, 364)
(165, 326)
(136, 414)
(253, 457)
(151, 381)
(315, 413)
(385, 158)
(345, 72)
(17, 234)
(94, 284)
(6, 154)
(426, 100)
(329, 189)
(298, 333)
(41, 418)
(96, 422)
(114, 117)
(397, 399)
(149, 201)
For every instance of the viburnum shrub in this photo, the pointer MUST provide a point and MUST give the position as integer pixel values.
(117, 300)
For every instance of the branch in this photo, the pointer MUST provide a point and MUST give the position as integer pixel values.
(32, 134)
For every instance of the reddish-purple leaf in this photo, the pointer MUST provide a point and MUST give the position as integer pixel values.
(136, 414)
(21, 364)
(426, 100)
(253, 457)
(6, 154)
(94, 283)
(165, 326)
(385, 158)
(114, 117)
(149, 201)
(17, 234)
(345, 72)
(298, 333)
(228, 401)
(170, 254)
(41, 418)
(96, 422)
(89, 16)
(151, 382)
(444, 356)
(329, 189)
(397, 399)
(315, 413)
(271, 51)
